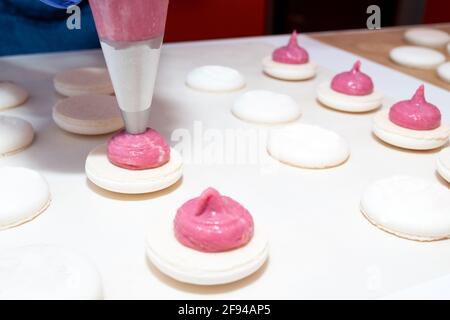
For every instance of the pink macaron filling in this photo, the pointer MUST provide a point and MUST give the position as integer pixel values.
(416, 113)
(353, 82)
(292, 53)
(213, 223)
(138, 151)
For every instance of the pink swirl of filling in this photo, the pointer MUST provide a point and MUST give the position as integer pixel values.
(213, 223)
(353, 82)
(292, 53)
(416, 113)
(138, 151)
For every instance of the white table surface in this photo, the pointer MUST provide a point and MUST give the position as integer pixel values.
(321, 246)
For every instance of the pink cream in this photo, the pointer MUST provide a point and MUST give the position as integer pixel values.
(292, 53)
(353, 82)
(137, 152)
(129, 20)
(213, 223)
(416, 113)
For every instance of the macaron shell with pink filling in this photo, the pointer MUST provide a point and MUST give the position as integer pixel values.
(200, 268)
(106, 175)
(405, 138)
(344, 102)
(289, 72)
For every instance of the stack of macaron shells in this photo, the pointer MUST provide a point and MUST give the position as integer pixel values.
(211, 240)
(82, 81)
(90, 108)
(290, 62)
(412, 124)
(134, 163)
(90, 114)
(350, 91)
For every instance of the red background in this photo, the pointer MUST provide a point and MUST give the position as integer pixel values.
(210, 19)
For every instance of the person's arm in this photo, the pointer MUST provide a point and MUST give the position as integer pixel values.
(61, 4)
(36, 27)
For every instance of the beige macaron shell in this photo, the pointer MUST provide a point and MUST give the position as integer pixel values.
(81, 81)
(110, 177)
(11, 95)
(16, 135)
(344, 102)
(401, 137)
(289, 72)
(17, 184)
(203, 268)
(88, 114)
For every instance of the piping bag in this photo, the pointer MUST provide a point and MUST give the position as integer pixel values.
(131, 34)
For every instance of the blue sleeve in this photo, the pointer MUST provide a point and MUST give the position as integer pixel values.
(35, 27)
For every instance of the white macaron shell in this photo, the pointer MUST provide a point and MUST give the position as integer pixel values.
(16, 134)
(427, 37)
(24, 194)
(417, 57)
(444, 71)
(214, 78)
(262, 106)
(11, 95)
(409, 207)
(443, 164)
(307, 146)
(49, 273)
